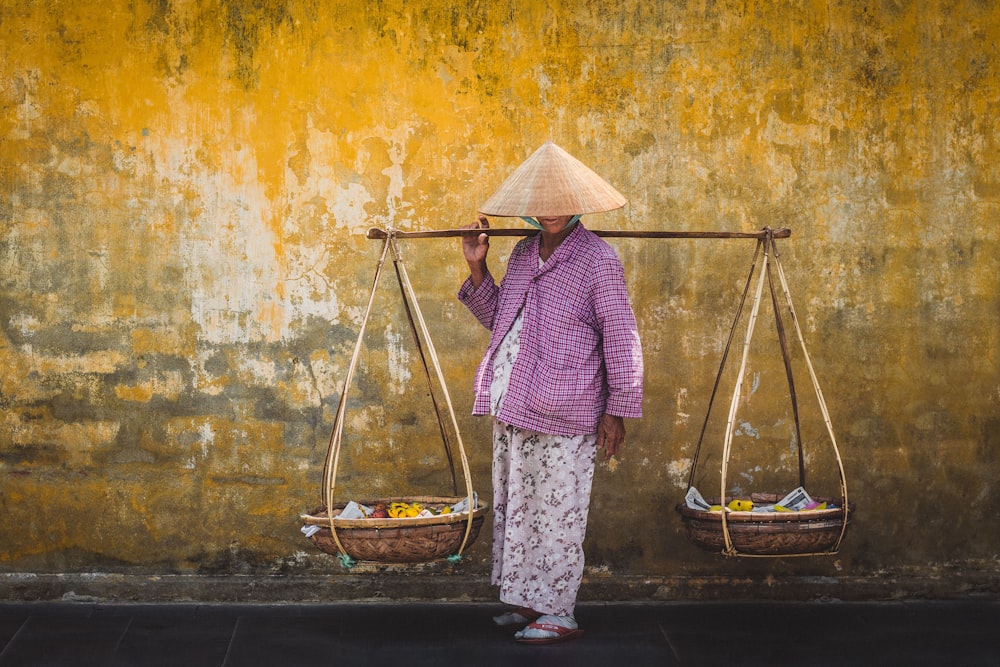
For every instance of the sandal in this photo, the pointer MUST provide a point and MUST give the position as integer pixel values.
(519, 616)
(554, 632)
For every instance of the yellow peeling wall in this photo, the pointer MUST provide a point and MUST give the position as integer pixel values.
(185, 188)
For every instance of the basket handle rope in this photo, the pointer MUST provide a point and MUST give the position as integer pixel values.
(737, 390)
(336, 436)
(722, 364)
(405, 282)
(397, 262)
(785, 356)
(787, 359)
(819, 396)
(333, 450)
(770, 256)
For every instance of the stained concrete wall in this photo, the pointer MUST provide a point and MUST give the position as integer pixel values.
(186, 188)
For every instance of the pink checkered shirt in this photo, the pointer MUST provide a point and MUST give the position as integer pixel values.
(580, 355)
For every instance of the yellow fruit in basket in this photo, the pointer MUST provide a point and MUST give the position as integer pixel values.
(740, 505)
(715, 508)
(412, 511)
(445, 510)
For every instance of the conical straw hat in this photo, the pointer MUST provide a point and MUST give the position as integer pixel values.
(552, 182)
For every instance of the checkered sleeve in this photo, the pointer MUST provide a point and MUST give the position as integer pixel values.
(621, 347)
(482, 301)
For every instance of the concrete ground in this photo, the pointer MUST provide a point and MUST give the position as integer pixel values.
(954, 633)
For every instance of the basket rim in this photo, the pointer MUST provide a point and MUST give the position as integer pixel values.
(437, 543)
(766, 517)
(319, 516)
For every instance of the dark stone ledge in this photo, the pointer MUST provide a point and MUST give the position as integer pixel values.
(400, 584)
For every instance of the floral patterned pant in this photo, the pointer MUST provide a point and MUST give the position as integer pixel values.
(541, 498)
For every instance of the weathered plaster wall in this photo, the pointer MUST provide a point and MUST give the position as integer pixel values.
(185, 188)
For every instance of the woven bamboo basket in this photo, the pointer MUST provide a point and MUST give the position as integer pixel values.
(806, 532)
(397, 541)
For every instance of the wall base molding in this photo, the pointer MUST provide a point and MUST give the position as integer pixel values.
(402, 585)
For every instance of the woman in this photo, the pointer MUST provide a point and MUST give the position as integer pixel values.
(562, 371)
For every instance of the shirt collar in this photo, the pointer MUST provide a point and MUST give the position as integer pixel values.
(567, 246)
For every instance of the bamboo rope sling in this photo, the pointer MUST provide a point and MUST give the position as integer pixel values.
(767, 534)
(431, 538)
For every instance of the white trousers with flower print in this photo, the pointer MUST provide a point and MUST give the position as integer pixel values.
(541, 498)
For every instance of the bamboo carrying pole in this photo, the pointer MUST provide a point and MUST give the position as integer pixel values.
(379, 234)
